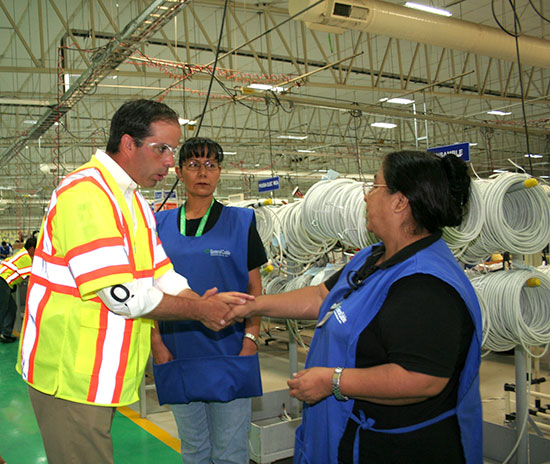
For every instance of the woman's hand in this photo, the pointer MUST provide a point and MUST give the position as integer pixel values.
(312, 385)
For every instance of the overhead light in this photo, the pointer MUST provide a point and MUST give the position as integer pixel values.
(385, 125)
(184, 122)
(499, 170)
(473, 144)
(305, 151)
(229, 152)
(428, 9)
(30, 121)
(397, 100)
(545, 177)
(293, 137)
(499, 113)
(265, 87)
(532, 155)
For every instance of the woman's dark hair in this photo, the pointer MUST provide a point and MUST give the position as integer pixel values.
(135, 118)
(438, 188)
(200, 147)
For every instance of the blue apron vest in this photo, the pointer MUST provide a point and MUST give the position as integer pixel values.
(207, 365)
(334, 344)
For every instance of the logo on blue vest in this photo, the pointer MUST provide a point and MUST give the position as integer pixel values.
(340, 315)
(221, 253)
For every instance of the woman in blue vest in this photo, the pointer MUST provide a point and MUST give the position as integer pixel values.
(208, 377)
(392, 375)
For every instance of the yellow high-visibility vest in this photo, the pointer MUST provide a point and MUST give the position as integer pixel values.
(17, 268)
(72, 346)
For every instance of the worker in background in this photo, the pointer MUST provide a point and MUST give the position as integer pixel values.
(99, 278)
(208, 377)
(392, 374)
(5, 250)
(12, 272)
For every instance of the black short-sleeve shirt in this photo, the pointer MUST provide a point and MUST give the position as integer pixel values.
(423, 326)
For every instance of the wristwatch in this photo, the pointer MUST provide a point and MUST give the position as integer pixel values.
(253, 338)
(336, 385)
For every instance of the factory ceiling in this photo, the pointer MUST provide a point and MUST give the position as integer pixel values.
(66, 66)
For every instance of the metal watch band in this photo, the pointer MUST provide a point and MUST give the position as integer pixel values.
(253, 338)
(336, 384)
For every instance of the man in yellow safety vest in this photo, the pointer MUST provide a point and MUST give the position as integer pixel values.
(12, 272)
(100, 277)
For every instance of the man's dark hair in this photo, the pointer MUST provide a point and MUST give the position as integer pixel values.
(135, 118)
(200, 147)
(30, 243)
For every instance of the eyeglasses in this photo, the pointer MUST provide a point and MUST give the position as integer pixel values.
(370, 186)
(194, 165)
(162, 148)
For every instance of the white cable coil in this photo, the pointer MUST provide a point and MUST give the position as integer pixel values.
(517, 218)
(335, 209)
(459, 237)
(516, 309)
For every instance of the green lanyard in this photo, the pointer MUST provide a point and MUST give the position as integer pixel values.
(202, 224)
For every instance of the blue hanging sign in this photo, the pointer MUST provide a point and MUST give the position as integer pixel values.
(462, 150)
(265, 185)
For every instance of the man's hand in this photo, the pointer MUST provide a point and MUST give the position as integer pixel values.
(241, 311)
(311, 385)
(216, 305)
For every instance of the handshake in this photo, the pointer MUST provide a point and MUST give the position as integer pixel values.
(219, 310)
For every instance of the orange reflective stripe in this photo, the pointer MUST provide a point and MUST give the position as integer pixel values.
(123, 365)
(101, 333)
(103, 272)
(56, 288)
(38, 320)
(94, 245)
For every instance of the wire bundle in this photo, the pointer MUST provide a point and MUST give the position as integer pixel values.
(516, 309)
(299, 247)
(459, 237)
(335, 209)
(517, 218)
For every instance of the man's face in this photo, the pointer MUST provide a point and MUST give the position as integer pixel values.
(149, 163)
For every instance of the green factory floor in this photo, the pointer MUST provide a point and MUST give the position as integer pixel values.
(20, 441)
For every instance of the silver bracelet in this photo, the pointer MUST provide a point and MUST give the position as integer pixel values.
(253, 338)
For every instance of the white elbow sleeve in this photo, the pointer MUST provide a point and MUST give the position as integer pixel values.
(131, 299)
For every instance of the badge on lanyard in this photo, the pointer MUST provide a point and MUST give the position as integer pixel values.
(329, 313)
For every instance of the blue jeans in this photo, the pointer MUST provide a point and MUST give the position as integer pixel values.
(214, 432)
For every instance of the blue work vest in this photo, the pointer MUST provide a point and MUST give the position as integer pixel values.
(335, 343)
(207, 365)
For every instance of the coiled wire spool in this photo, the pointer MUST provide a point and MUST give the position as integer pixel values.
(264, 219)
(274, 283)
(516, 305)
(458, 238)
(517, 219)
(299, 247)
(335, 209)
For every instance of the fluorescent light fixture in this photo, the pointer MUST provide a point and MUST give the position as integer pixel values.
(532, 155)
(261, 86)
(499, 170)
(400, 101)
(428, 9)
(229, 152)
(473, 144)
(545, 177)
(499, 113)
(30, 121)
(293, 137)
(266, 87)
(305, 151)
(184, 121)
(384, 125)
